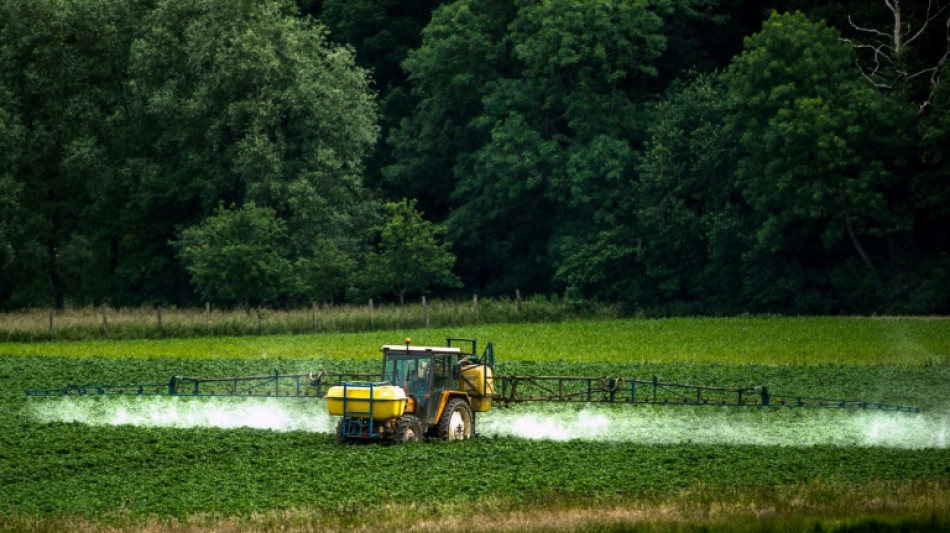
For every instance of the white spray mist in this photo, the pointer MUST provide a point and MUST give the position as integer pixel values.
(764, 427)
(260, 413)
(558, 422)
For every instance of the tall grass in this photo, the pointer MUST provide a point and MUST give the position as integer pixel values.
(90, 323)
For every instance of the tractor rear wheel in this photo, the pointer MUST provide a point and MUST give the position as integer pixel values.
(408, 429)
(457, 421)
(340, 439)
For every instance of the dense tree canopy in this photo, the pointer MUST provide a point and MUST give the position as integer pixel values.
(675, 234)
(821, 154)
(62, 69)
(676, 156)
(248, 103)
(528, 113)
(382, 33)
(141, 119)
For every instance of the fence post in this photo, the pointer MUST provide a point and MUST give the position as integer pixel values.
(425, 311)
(105, 323)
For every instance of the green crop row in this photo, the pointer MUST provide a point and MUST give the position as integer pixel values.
(735, 341)
(98, 471)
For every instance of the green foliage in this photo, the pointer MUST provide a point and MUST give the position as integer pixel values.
(122, 472)
(10, 189)
(674, 157)
(165, 110)
(450, 72)
(237, 256)
(784, 184)
(794, 89)
(382, 32)
(541, 102)
(930, 195)
(244, 102)
(677, 233)
(687, 195)
(324, 272)
(9, 196)
(409, 256)
(61, 71)
(934, 132)
(821, 152)
(102, 472)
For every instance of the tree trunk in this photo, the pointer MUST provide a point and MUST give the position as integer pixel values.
(105, 323)
(158, 311)
(56, 282)
(860, 249)
(113, 264)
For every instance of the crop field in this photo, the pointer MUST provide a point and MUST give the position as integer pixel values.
(225, 464)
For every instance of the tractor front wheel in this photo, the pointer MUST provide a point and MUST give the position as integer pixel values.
(457, 421)
(408, 429)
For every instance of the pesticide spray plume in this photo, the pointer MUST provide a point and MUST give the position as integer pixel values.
(277, 414)
(556, 422)
(729, 426)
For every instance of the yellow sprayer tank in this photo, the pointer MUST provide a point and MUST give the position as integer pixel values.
(389, 401)
(477, 381)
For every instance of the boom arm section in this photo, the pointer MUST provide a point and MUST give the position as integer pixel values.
(506, 390)
(276, 384)
(517, 389)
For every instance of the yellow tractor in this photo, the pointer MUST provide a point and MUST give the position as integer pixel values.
(431, 391)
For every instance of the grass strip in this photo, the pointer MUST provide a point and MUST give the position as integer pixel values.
(737, 341)
(92, 323)
(816, 505)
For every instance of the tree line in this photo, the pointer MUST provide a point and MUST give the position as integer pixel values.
(677, 156)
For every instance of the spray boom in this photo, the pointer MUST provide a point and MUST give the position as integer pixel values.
(506, 390)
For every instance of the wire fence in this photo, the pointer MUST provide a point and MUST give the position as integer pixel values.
(105, 322)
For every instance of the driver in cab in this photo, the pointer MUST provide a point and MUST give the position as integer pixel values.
(420, 379)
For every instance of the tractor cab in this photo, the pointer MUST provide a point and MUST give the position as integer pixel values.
(424, 373)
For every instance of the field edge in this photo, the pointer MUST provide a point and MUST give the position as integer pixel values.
(818, 505)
